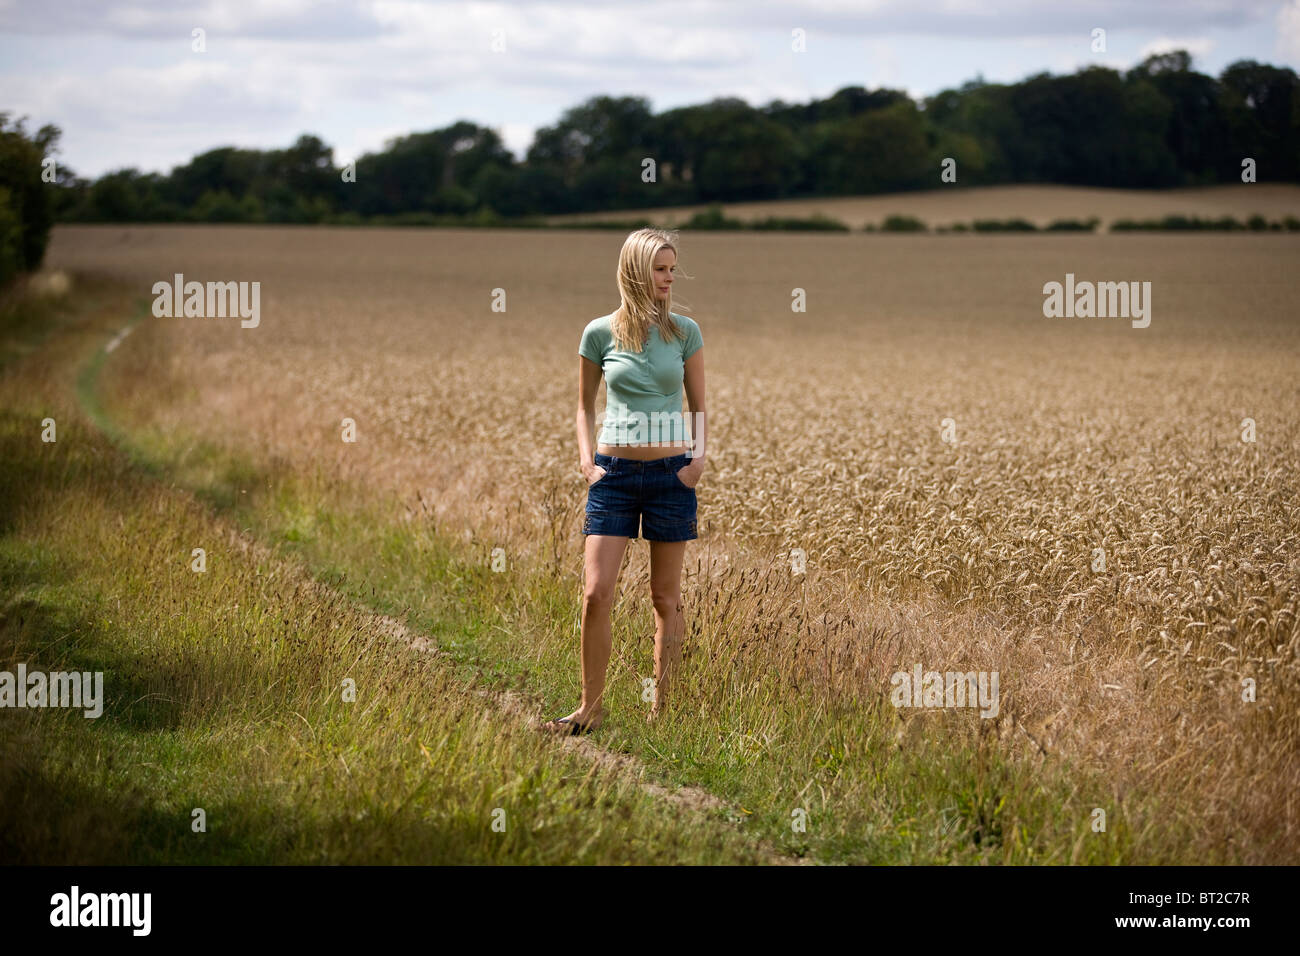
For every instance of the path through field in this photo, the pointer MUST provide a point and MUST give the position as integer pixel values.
(973, 485)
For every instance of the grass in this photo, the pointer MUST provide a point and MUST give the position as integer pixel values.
(940, 794)
(975, 556)
(814, 736)
(225, 693)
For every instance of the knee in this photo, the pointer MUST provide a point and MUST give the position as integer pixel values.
(666, 605)
(597, 598)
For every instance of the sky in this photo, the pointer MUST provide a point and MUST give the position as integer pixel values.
(125, 83)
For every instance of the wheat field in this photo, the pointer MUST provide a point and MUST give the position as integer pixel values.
(1069, 502)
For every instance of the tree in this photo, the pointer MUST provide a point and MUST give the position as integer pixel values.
(426, 172)
(1161, 123)
(1196, 131)
(880, 151)
(26, 200)
(1261, 106)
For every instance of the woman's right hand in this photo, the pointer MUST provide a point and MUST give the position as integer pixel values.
(594, 473)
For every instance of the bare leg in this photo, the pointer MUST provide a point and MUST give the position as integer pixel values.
(666, 592)
(602, 559)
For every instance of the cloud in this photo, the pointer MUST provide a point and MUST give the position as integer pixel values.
(1196, 46)
(121, 80)
(339, 20)
(1288, 31)
(674, 23)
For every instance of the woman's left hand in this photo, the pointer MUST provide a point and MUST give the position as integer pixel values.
(690, 474)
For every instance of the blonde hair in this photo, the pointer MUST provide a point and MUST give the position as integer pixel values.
(639, 307)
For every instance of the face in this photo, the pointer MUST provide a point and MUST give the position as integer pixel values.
(665, 270)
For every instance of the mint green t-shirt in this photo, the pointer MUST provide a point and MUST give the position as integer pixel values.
(643, 401)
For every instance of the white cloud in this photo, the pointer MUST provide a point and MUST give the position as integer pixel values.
(1196, 46)
(517, 137)
(1288, 31)
(881, 65)
(340, 20)
(667, 22)
(366, 139)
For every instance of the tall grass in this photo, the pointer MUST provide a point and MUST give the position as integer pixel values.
(1123, 684)
(785, 703)
(226, 690)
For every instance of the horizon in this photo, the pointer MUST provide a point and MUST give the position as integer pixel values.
(275, 67)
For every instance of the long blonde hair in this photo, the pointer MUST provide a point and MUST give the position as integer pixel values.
(631, 322)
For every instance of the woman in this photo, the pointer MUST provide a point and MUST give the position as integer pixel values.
(641, 473)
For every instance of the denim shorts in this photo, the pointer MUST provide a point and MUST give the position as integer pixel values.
(646, 493)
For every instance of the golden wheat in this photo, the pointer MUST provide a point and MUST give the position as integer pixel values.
(1076, 441)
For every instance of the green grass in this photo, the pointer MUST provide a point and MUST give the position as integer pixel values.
(27, 320)
(944, 796)
(875, 788)
(224, 693)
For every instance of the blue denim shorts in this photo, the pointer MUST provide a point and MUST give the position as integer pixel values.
(645, 493)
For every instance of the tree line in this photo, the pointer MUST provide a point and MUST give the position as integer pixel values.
(1160, 124)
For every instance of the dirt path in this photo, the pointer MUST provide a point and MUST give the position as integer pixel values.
(511, 705)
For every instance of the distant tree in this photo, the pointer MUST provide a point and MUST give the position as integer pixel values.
(601, 128)
(1261, 107)
(11, 237)
(26, 200)
(880, 151)
(425, 172)
(844, 103)
(520, 191)
(1161, 123)
(1196, 131)
(226, 169)
(1144, 157)
(978, 113)
(596, 150)
(742, 154)
(306, 168)
(221, 206)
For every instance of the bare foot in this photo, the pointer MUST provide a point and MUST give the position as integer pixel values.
(564, 726)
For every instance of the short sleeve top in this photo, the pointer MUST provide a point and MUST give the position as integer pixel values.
(643, 389)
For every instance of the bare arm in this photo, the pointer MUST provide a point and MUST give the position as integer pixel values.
(589, 374)
(693, 381)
